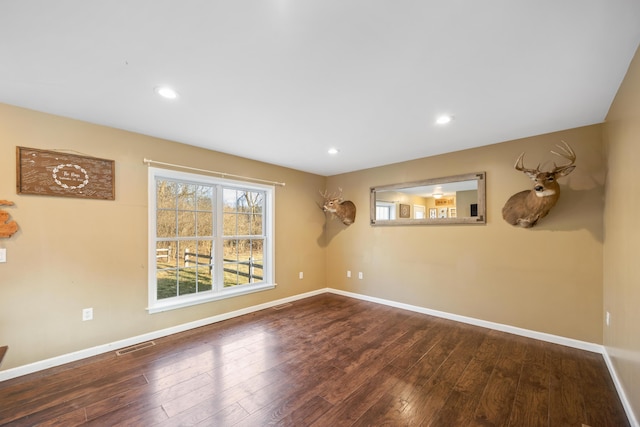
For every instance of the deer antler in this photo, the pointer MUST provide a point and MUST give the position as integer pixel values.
(333, 196)
(567, 153)
(520, 166)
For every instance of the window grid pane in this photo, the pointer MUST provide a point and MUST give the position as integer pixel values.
(243, 261)
(184, 228)
(243, 243)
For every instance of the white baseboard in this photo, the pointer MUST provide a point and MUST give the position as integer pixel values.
(582, 345)
(94, 351)
(569, 342)
(620, 389)
(104, 348)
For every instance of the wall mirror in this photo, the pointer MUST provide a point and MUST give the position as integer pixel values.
(456, 199)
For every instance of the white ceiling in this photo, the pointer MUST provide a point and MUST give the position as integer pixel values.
(282, 81)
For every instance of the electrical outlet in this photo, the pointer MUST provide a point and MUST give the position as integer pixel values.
(301, 275)
(360, 276)
(607, 318)
(3, 254)
(348, 273)
(87, 314)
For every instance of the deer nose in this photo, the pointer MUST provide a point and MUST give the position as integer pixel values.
(538, 188)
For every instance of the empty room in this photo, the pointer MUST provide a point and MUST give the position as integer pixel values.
(319, 213)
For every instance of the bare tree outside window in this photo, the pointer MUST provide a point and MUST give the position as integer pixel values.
(243, 248)
(185, 257)
(209, 238)
(184, 227)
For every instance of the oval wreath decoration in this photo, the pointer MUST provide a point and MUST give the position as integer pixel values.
(70, 187)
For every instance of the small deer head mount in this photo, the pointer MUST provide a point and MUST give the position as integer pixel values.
(525, 208)
(344, 210)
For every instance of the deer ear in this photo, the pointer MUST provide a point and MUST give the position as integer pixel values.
(567, 171)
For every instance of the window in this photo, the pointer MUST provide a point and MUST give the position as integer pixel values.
(385, 210)
(209, 238)
(419, 212)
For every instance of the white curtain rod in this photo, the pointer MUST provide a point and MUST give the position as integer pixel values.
(222, 174)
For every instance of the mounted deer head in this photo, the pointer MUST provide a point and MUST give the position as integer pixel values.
(345, 210)
(525, 208)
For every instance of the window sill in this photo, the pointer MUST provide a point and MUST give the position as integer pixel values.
(178, 302)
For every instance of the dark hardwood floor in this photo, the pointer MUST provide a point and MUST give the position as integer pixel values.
(325, 361)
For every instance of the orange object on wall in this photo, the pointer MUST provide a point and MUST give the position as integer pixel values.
(7, 228)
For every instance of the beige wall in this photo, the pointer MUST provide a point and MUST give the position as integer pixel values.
(547, 279)
(464, 200)
(622, 243)
(70, 254)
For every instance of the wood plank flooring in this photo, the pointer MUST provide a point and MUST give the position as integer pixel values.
(327, 360)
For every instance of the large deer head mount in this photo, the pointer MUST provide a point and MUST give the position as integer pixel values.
(525, 208)
(344, 210)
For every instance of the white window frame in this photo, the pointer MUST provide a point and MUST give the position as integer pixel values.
(390, 207)
(419, 212)
(156, 305)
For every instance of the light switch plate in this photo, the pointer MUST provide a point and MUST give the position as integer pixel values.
(3, 254)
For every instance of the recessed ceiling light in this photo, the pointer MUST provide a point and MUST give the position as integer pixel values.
(166, 92)
(333, 151)
(444, 119)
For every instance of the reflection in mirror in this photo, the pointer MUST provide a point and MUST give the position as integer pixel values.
(456, 199)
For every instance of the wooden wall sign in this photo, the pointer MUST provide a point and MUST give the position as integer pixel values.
(445, 201)
(52, 173)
